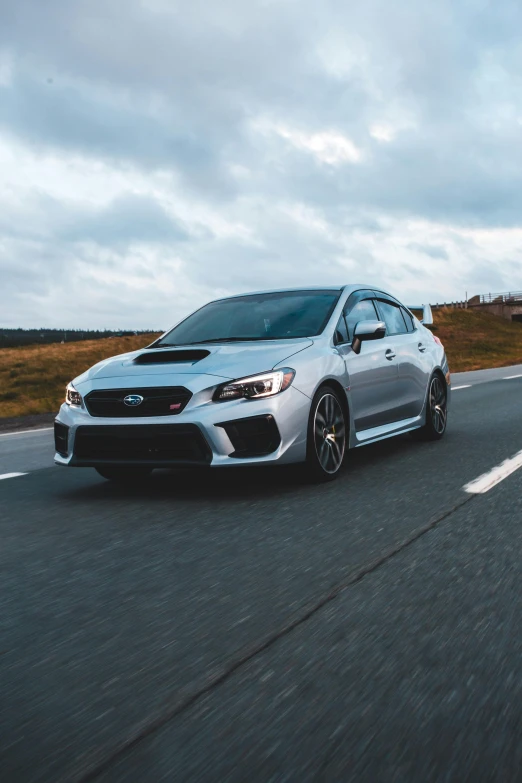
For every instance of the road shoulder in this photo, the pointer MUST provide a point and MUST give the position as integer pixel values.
(20, 423)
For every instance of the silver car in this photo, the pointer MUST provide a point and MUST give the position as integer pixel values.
(291, 376)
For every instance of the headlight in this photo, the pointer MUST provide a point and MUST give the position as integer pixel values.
(72, 397)
(264, 385)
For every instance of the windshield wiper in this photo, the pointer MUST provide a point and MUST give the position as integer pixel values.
(216, 340)
(202, 342)
(226, 340)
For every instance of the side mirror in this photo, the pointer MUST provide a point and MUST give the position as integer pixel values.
(367, 330)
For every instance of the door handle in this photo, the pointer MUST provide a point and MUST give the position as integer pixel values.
(390, 354)
(421, 347)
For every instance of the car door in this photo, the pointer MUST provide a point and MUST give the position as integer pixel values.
(373, 373)
(413, 364)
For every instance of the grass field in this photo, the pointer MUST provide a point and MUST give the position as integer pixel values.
(33, 378)
(477, 340)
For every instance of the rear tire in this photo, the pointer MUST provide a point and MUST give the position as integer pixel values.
(436, 410)
(124, 475)
(327, 432)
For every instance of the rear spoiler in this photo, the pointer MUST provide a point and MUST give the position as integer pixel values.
(427, 315)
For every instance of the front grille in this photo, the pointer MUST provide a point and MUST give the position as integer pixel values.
(158, 401)
(158, 444)
(254, 436)
(61, 438)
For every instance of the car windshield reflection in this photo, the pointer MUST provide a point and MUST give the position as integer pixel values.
(274, 316)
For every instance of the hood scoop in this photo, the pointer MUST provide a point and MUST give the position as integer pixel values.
(171, 357)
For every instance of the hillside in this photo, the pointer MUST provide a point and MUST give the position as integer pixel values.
(33, 378)
(476, 340)
(17, 338)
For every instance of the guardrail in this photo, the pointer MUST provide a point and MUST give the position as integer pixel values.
(454, 305)
(507, 298)
(510, 296)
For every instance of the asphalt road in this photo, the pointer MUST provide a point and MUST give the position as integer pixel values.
(243, 626)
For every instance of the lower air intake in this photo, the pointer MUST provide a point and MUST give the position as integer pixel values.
(254, 436)
(151, 444)
(61, 439)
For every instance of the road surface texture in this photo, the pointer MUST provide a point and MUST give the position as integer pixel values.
(244, 626)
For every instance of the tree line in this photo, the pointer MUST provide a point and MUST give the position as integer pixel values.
(15, 338)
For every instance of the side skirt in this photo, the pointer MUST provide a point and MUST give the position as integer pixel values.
(387, 431)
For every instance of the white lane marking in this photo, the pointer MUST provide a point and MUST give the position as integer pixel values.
(25, 432)
(510, 377)
(456, 388)
(489, 480)
(11, 475)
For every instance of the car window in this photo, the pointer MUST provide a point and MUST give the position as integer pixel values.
(362, 311)
(410, 326)
(393, 318)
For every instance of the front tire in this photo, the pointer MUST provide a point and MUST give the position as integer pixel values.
(326, 444)
(436, 410)
(124, 475)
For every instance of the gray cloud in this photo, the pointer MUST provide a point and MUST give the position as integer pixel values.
(78, 119)
(433, 251)
(129, 219)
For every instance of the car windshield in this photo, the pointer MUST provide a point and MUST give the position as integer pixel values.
(275, 316)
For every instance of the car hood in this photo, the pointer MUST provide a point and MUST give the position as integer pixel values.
(224, 360)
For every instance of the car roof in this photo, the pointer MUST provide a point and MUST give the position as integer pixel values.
(341, 288)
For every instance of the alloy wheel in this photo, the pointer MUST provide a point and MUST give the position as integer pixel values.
(329, 433)
(438, 405)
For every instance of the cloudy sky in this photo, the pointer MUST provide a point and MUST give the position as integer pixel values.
(155, 154)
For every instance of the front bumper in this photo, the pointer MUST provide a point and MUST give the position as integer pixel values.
(237, 432)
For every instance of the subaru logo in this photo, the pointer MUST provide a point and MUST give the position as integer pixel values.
(133, 399)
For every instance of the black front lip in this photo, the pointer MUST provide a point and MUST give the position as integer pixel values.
(74, 462)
